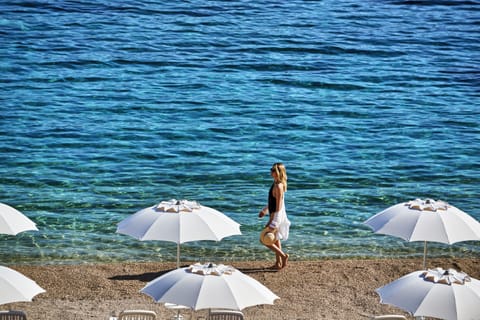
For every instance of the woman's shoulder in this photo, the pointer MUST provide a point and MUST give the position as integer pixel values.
(278, 186)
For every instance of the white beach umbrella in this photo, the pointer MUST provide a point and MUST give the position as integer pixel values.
(15, 287)
(205, 286)
(179, 221)
(438, 293)
(426, 220)
(13, 221)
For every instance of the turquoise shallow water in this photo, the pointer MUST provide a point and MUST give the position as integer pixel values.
(107, 108)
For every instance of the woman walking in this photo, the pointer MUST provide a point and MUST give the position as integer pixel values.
(278, 225)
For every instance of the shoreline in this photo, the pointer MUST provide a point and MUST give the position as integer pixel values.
(308, 289)
(418, 254)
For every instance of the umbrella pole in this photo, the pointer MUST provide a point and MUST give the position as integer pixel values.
(425, 255)
(178, 255)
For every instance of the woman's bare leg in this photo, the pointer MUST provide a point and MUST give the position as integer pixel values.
(284, 257)
(277, 248)
(278, 257)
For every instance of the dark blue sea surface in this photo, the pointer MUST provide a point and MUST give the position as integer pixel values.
(108, 107)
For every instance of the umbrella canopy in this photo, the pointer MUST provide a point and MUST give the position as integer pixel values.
(438, 293)
(15, 287)
(178, 221)
(13, 221)
(209, 286)
(426, 220)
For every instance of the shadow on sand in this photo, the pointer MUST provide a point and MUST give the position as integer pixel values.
(143, 277)
(149, 276)
(258, 270)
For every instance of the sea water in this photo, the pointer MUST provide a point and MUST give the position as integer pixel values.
(108, 107)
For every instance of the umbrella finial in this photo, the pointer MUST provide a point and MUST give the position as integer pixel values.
(427, 205)
(211, 269)
(177, 206)
(450, 276)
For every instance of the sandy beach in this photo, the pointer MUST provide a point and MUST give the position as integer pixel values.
(320, 289)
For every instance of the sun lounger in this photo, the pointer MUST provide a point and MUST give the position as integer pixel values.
(389, 317)
(137, 315)
(225, 315)
(13, 315)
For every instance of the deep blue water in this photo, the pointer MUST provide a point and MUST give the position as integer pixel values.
(108, 107)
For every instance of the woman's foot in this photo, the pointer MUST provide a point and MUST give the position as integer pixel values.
(276, 266)
(278, 261)
(285, 260)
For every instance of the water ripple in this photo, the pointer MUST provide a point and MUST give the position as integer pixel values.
(107, 108)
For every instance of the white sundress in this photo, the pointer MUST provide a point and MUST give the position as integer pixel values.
(281, 222)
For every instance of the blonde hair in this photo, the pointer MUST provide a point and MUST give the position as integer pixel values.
(281, 171)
